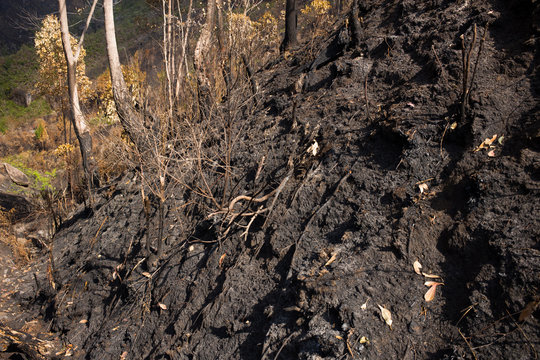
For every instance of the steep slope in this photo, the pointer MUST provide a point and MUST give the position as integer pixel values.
(333, 233)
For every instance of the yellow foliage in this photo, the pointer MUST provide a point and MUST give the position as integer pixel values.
(267, 29)
(134, 78)
(63, 150)
(252, 38)
(241, 30)
(317, 8)
(52, 63)
(318, 20)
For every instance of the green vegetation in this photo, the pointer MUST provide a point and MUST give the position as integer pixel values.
(40, 180)
(12, 114)
(17, 70)
(38, 133)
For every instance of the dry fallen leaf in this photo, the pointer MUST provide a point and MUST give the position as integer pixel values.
(124, 355)
(529, 309)
(162, 306)
(491, 153)
(417, 266)
(83, 321)
(423, 187)
(430, 294)
(221, 259)
(431, 276)
(364, 305)
(332, 259)
(364, 340)
(147, 274)
(386, 315)
(314, 148)
(486, 143)
(490, 141)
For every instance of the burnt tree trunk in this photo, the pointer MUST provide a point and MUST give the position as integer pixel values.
(356, 35)
(291, 22)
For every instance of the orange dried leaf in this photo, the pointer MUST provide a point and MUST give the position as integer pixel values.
(221, 259)
(417, 267)
(162, 306)
(491, 153)
(430, 294)
(489, 141)
(83, 321)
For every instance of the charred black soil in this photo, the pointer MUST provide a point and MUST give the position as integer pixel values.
(400, 175)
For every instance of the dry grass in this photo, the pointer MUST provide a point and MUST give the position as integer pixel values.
(18, 246)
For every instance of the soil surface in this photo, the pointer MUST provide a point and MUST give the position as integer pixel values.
(400, 175)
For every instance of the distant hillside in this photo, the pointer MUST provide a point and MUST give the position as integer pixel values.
(18, 19)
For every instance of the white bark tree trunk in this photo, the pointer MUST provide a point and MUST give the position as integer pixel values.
(131, 120)
(79, 122)
(204, 42)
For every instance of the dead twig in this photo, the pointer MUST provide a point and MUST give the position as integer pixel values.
(524, 335)
(481, 46)
(284, 343)
(443, 73)
(442, 138)
(278, 191)
(314, 215)
(93, 242)
(468, 344)
(259, 211)
(466, 64)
